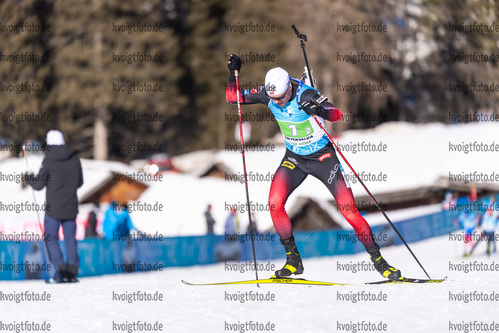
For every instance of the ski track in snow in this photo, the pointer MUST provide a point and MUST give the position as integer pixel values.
(89, 306)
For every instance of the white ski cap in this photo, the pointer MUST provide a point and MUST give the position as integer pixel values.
(55, 138)
(277, 82)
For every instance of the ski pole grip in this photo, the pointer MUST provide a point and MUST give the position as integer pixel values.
(302, 37)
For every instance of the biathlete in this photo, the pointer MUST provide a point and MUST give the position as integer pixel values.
(308, 152)
(488, 224)
(468, 221)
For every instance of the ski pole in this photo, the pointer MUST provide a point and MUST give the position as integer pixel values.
(302, 44)
(303, 39)
(372, 197)
(245, 173)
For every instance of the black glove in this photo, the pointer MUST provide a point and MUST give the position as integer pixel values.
(234, 63)
(310, 102)
(28, 176)
(310, 108)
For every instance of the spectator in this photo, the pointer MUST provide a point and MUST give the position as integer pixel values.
(232, 223)
(61, 174)
(253, 224)
(117, 221)
(91, 225)
(34, 256)
(210, 222)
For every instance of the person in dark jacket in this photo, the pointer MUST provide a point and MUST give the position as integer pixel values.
(210, 221)
(61, 175)
(91, 227)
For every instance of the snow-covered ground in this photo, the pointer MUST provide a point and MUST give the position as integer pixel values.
(89, 305)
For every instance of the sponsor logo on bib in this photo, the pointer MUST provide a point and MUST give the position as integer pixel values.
(288, 112)
(332, 174)
(323, 157)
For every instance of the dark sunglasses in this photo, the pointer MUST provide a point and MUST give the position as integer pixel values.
(279, 98)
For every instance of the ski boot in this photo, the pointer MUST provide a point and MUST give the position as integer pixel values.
(293, 260)
(383, 267)
(72, 273)
(60, 275)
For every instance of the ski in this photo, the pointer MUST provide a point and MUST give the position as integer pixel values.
(271, 280)
(408, 280)
(312, 282)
